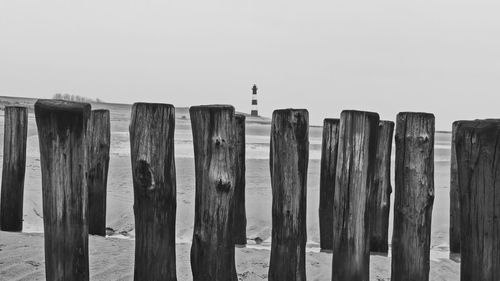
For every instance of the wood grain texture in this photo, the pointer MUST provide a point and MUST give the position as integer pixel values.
(214, 141)
(14, 168)
(414, 196)
(288, 159)
(478, 159)
(62, 128)
(153, 171)
(240, 217)
(454, 195)
(380, 193)
(98, 143)
(355, 163)
(328, 168)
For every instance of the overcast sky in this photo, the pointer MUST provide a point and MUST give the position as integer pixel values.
(439, 56)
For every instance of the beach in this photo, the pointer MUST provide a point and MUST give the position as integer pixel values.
(111, 258)
(21, 258)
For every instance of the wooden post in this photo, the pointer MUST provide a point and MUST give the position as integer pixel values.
(478, 158)
(329, 148)
(14, 167)
(289, 156)
(214, 141)
(97, 175)
(414, 196)
(380, 194)
(454, 196)
(62, 128)
(355, 163)
(153, 171)
(240, 217)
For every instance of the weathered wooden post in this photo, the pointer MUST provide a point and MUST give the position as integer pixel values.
(355, 163)
(153, 172)
(97, 169)
(14, 167)
(329, 148)
(240, 217)
(454, 196)
(380, 194)
(214, 141)
(288, 158)
(478, 158)
(414, 196)
(62, 128)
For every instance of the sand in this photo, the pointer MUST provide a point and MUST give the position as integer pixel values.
(22, 258)
(112, 258)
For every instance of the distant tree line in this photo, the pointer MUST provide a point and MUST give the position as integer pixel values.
(78, 98)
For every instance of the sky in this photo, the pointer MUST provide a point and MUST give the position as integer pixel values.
(387, 56)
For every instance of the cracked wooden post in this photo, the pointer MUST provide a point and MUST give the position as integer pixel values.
(97, 175)
(214, 141)
(329, 148)
(478, 158)
(454, 195)
(62, 128)
(380, 194)
(355, 164)
(414, 196)
(240, 217)
(289, 156)
(14, 168)
(153, 172)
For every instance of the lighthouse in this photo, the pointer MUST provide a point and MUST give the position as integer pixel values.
(254, 111)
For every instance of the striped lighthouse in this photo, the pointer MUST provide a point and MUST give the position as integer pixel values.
(254, 111)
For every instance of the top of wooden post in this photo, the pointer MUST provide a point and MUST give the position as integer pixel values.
(64, 113)
(423, 114)
(300, 117)
(61, 105)
(101, 110)
(240, 116)
(15, 107)
(211, 107)
(480, 126)
(389, 122)
(414, 118)
(355, 110)
(455, 123)
(100, 113)
(287, 110)
(152, 106)
(369, 114)
(331, 121)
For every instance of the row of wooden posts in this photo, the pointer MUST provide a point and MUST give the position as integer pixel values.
(354, 203)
